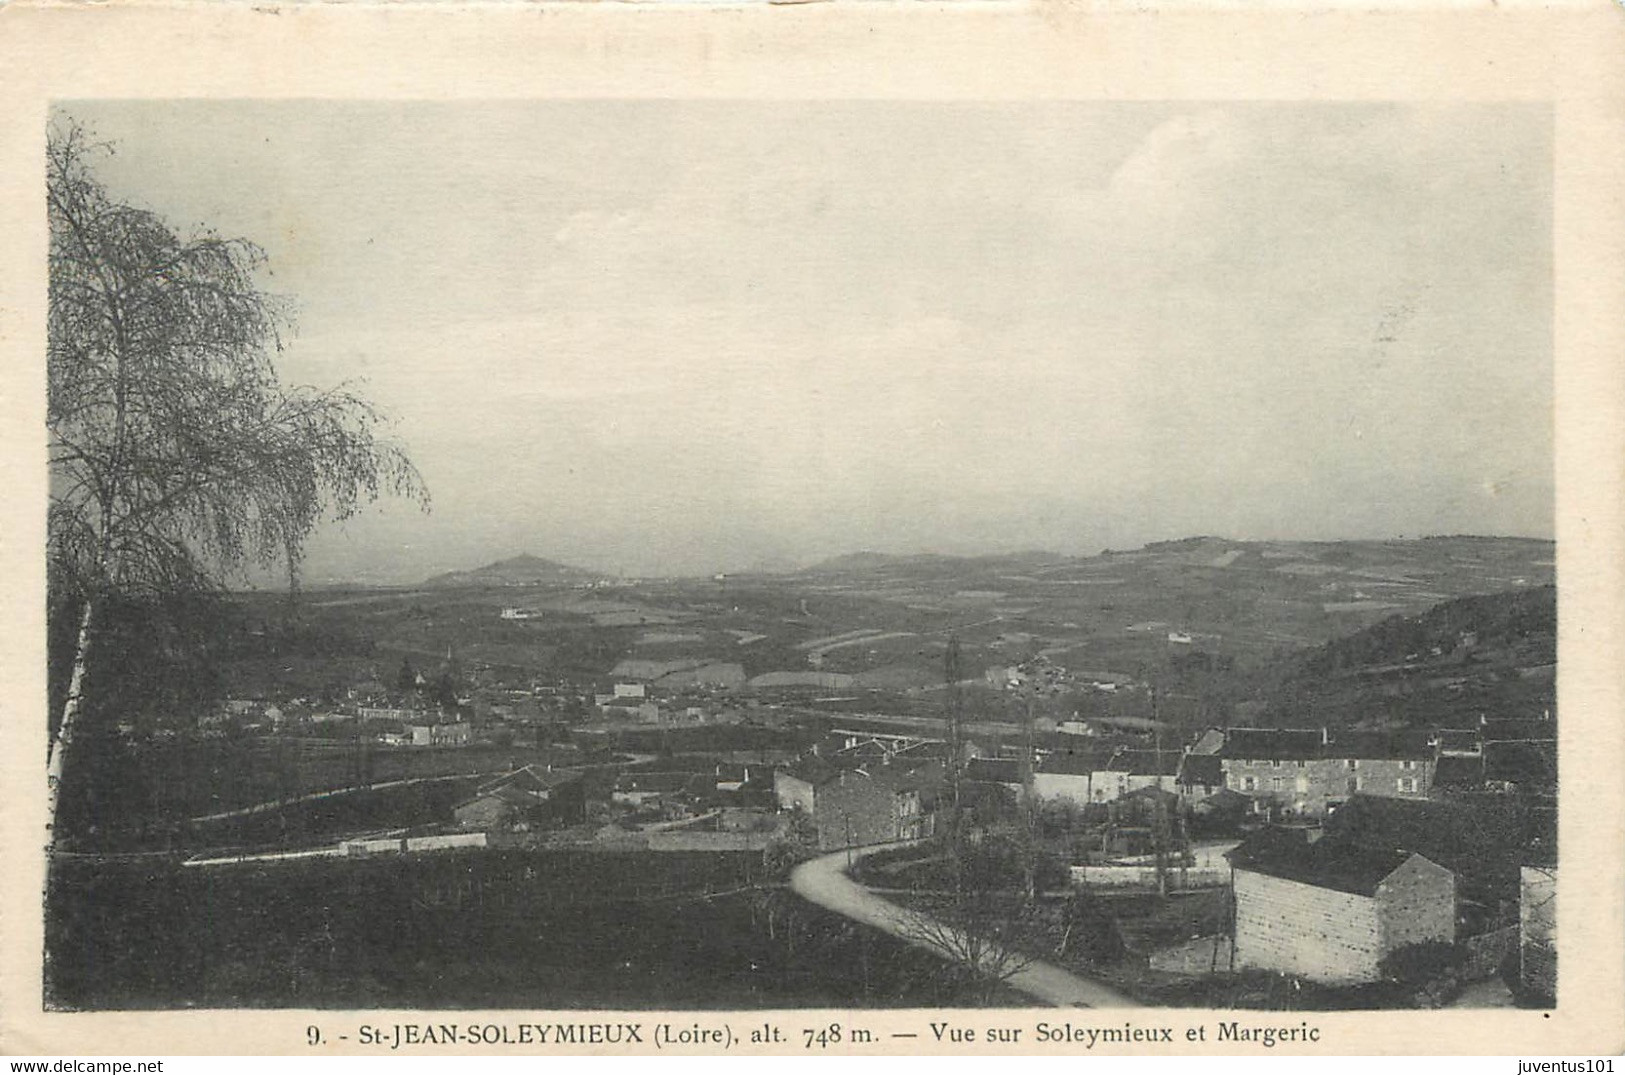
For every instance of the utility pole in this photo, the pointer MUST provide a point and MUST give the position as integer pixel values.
(952, 672)
(1029, 802)
(1159, 823)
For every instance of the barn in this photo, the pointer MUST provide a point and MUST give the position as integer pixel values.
(1332, 910)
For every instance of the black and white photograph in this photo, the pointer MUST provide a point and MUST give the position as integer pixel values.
(730, 555)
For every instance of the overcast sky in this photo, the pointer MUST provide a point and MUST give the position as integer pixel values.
(661, 337)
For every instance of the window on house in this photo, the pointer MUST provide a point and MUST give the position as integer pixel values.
(1275, 763)
(1407, 765)
(1354, 763)
(1353, 784)
(1407, 783)
(1275, 783)
(1301, 763)
(1249, 783)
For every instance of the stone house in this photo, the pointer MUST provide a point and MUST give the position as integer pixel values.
(1310, 772)
(863, 804)
(1094, 775)
(1537, 931)
(642, 787)
(1000, 772)
(1331, 910)
(442, 734)
(1068, 775)
(1201, 776)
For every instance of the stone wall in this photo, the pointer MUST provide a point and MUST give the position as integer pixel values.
(1179, 878)
(854, 810)
(1071, 787)
(1417, 905)
(1294, 928)
(1307, 787)
(1537, 919)
(1483, 955)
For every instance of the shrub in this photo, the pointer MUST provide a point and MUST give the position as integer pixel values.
(1417, 964)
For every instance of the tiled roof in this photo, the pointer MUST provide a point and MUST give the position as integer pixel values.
(1513, 729)
(1480, 841)
(1379, 745)
(812, 769)
(1461, 739)
(1344, 866)
(1459, 771)
(994, 770)
(818, 770)
(1076, 762)
(531, 779)
(1201, 769)
(1145, 762)
(1268, 744)
(1302, 744)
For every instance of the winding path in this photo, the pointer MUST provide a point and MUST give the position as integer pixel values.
(824, 881)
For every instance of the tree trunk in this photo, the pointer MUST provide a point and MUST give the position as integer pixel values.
(70, 718)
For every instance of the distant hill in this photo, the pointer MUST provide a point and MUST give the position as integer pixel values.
(1492, 655)
(868, 561)
(1359, 581)
(930, 563)
(1519, 622)
(522, 570)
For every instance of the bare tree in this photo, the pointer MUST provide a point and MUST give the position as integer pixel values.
(177, 457)
(986, 935)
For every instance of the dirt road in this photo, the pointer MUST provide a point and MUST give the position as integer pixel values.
(824, 881)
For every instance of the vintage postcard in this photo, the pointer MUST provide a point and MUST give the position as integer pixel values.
(833, 530)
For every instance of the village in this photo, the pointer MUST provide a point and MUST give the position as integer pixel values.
(1331, 857)
(823, 553)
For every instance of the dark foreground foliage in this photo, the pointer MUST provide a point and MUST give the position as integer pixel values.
(465, 930)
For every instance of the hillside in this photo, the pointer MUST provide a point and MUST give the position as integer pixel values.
(1490, 655)
(928, 564)
(1248, 599)
(1228, 631)
(524, 570)
(1519, 626)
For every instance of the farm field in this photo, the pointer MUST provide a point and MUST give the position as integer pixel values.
(889, 618)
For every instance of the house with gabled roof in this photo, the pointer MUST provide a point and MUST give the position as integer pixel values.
(859, 804)
(1068, 775)
(1308, 772)
(1521, 765)
(525, 798)
(1482, 842)
(1331, 910)
(1455, 774)
(1005, 772)
(1200, 777)
(1103, 774)
(638, 787)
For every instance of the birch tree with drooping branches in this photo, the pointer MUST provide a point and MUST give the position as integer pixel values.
(178, 459)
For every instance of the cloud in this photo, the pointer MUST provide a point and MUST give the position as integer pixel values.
(846, 322)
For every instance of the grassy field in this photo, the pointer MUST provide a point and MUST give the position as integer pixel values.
(465, 930)
(1241, 602)
(127, 795)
